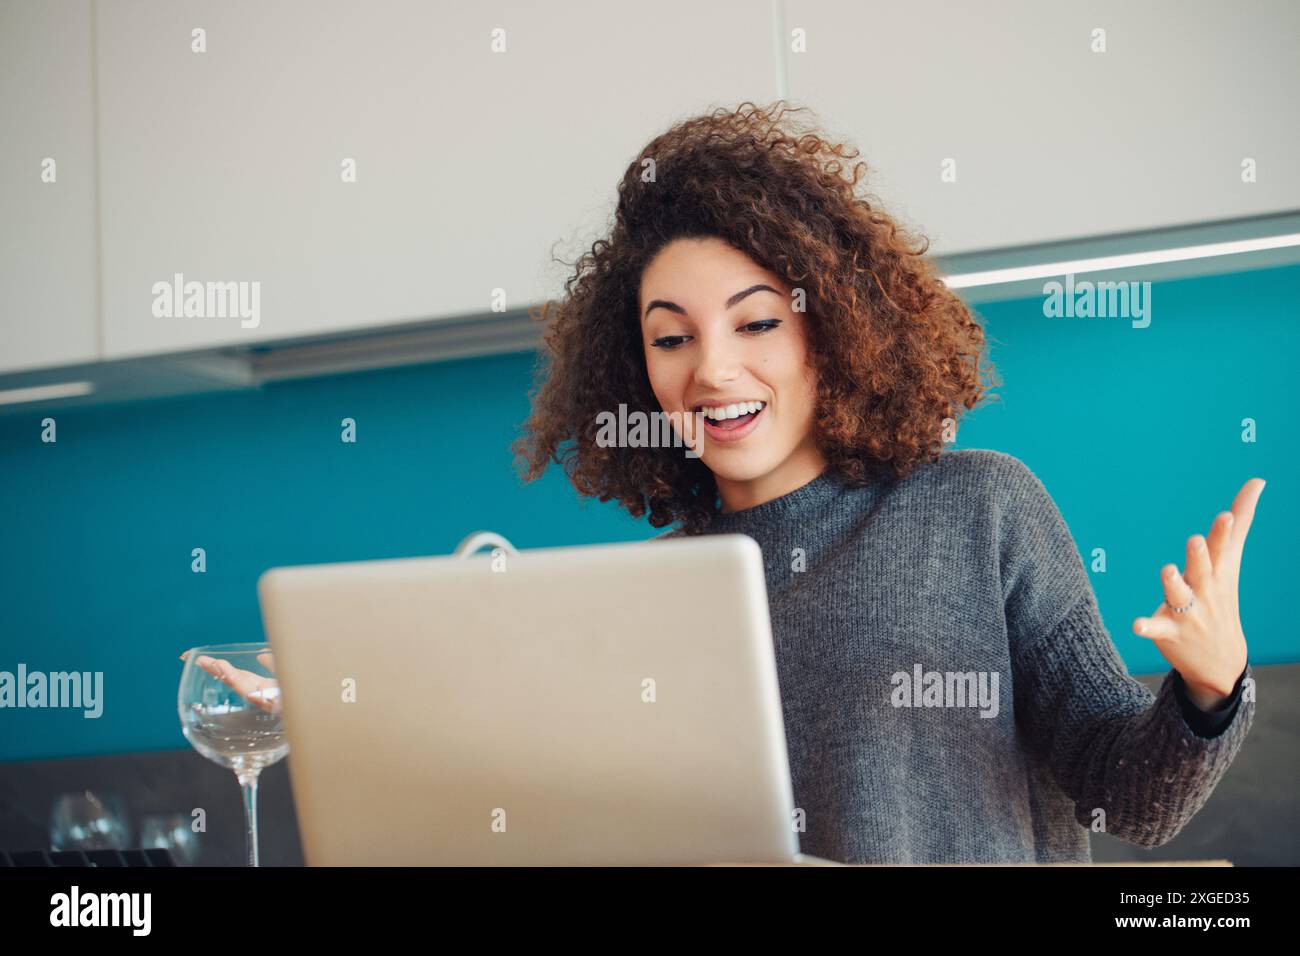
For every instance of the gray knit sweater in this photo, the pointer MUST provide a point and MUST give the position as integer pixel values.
(949, 689)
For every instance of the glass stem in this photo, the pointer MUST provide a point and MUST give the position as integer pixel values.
(248, 783)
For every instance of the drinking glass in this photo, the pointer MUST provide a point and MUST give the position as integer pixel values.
(230, 711)
(173, 832)
(88, 821)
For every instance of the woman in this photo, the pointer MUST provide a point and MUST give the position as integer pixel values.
(950, 692)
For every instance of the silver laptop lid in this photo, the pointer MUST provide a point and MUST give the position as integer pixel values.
(608, 704)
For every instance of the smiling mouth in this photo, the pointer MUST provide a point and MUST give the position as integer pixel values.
(733, 429)
(733, 424)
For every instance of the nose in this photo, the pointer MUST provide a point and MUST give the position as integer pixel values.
(718, 363)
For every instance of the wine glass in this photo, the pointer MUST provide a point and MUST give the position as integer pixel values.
(88, 821)
(172, 832)
(230, 711)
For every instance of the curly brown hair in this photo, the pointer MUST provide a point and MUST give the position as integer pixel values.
(894, 350)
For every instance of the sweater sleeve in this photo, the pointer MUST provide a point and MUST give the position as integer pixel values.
(1208, 723)
(1111, 745)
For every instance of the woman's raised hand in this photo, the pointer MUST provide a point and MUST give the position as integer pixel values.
(1203, 639)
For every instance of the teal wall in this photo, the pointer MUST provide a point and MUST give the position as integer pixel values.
(1135, 432)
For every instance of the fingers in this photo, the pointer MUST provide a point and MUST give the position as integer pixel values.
(259, 690)
(1158, 627)
(1220, 537)
(1200, 572)
(267, 696)
(241, 681)
(266, 659)
(1177, 591)
(1206, 557)
(1243, 511)
(1163, 625)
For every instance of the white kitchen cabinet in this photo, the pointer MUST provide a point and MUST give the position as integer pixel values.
(225, 166)
(47, 186)
(1051, 140)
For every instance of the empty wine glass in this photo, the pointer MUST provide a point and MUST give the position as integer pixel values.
(229, 704)
(88, 821)
(173, 832)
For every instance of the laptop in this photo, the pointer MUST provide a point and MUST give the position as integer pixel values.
(599, 705)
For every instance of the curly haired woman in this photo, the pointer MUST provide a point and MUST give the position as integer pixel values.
(950, 692)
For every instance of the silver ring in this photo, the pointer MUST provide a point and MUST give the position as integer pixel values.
(1186, 607)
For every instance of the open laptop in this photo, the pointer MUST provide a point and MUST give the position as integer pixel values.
(599, 705)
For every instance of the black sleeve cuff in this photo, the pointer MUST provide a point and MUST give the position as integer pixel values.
(1208, 723)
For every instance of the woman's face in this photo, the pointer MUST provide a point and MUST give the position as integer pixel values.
(719, 331)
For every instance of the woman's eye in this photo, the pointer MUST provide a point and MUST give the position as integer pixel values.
(668, 342)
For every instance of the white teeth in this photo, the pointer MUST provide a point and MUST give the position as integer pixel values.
(723, 412)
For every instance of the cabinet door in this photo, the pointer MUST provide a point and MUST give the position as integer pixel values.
(1052, 140)
(230, 165)
(48, 309)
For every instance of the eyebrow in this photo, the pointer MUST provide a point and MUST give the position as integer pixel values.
(674, 307)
